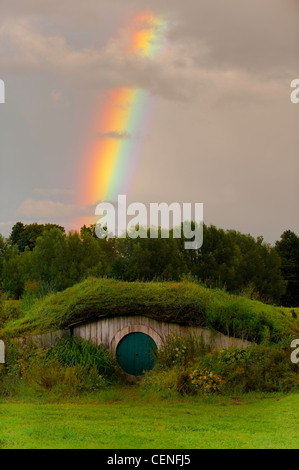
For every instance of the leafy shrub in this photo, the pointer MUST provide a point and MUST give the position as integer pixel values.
(206, 381)
(233, 355)
(74, 351)
(185, 366)
(265, 368)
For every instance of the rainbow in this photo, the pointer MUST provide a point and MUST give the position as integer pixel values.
(121, 120)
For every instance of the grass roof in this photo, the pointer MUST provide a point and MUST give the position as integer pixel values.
(186, 303)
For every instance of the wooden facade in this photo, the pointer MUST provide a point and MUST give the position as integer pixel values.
(109, 331)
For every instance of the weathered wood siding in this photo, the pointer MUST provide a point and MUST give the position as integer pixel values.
(2, 352)
(46, 339)
(109, 331)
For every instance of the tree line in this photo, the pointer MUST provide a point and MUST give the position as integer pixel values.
(47, 259)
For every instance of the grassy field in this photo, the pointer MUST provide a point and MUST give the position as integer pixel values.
(122, 420)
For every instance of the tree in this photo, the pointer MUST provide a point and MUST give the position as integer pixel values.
(26, 235)
(12, 273)
(288, 249)
(148, 258)
(17, 235)
(50, 263)
(236, 262)
(4, 247)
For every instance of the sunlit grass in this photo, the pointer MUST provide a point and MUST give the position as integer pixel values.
(121, 419)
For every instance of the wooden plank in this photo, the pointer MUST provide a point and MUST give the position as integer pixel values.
(76, 331)
(117, 326)
(99, 332)
(110, 327)
(88, 332)
(93, 332)
(164, 329)
(82, 331)
(105, 340)
(2, 352)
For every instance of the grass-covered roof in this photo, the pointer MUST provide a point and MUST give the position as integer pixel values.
(185, 303)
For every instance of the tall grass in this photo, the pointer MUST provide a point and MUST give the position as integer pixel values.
(72, 367)
(74, 351)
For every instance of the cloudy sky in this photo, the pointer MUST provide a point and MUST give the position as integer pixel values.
(223, 130)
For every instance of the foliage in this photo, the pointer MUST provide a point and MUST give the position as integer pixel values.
(187, 303)
(56, 260)
(166, 383)
(77, 351)
(177, 350)
(263, 368)
(25, 236)
(205, 381)
(288, 249)
(69, 369)
(9, 309)
(148, 258)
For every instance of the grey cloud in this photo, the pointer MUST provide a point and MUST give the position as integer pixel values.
(174, 74)
(47, 208)
(52, 191)
(223, 130)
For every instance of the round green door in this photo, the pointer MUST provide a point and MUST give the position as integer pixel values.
(135, 353)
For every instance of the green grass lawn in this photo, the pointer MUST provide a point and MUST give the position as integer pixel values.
(124, 420)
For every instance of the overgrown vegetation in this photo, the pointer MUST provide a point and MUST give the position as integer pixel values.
(183, 302)
(74, 351)
(72, 367)
(185, 366)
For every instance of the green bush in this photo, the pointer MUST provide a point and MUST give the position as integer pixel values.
(74, 351)
(185, 366)
(264, 368)
(205, 381)
(68, 369)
